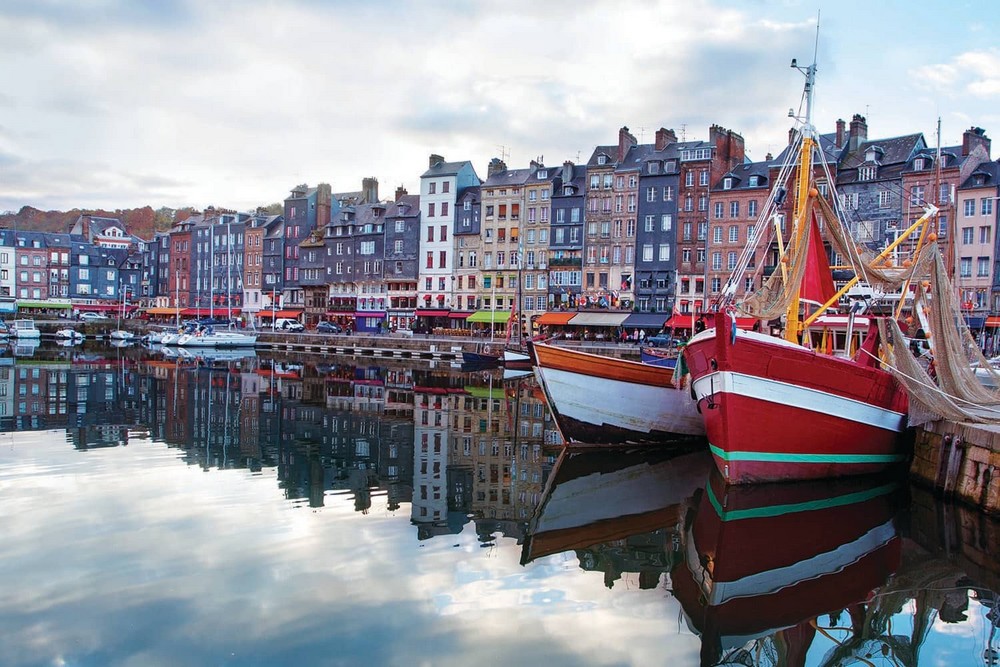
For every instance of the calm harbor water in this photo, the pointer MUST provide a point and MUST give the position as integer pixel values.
(274, 511)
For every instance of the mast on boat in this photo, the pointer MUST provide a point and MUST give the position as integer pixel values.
(800, 228)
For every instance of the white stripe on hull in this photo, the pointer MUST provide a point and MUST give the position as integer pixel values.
(813, 400)
(636, 407)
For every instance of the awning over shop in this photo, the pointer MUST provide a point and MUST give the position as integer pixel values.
(600, 319)
(26, 303)
(486, 392)
(279, 313)
(645, 320)
(458, 316)
(489, 316)
(162, 311)
(975, 322)
(432, 312)
(370, 313)
(556, 318)
(680, 321)
(993, 321)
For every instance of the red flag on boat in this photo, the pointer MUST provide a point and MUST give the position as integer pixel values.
(817, 281)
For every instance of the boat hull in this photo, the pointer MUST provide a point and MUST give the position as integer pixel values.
(599, 400)
(216, 340)
(776, 411)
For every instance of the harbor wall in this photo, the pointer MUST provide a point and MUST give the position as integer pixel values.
(959, 461)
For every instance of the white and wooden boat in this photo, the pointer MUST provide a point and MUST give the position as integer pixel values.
(24, 329)
(121, 334)
(605, 400)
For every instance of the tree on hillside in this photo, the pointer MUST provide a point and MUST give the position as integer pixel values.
(272, 209)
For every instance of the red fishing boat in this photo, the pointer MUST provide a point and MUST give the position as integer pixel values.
(778, 409)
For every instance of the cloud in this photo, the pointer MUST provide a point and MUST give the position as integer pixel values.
(975, 73)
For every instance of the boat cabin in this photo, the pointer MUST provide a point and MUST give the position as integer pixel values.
(839, 335)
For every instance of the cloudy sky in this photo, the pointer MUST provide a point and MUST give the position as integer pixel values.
(118, 103)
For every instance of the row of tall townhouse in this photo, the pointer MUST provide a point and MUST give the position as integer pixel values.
(653, 228)
(91, 267)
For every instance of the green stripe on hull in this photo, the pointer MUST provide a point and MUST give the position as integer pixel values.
(778, 510)
(783, 457)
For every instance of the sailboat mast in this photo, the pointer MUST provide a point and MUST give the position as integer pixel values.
(803, 181)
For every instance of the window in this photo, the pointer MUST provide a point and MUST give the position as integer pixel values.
(668, 193)
(666, 222)
(984, 234)
(431, 188)
(444, 208)
(918, 164)
(716, 261)
(445, 187)
(752, 208)
(734, 233)
(734, 209)
(884, 199)
(718, 209)
(970, 208)
(727, 183)
(987, 206)
(983, 267)
(430, 237)
(754, 181)
(647, 252)
(664, 252)
(442, 259)
(703, 202)
(717, 234)
(866, 173)
(430, 260)
(689, 179)
(916, 195)
(650, 194)
(430, 210)
(650, 222)
(703, 177)
(966, 267)
(444, 233)
(967, 235)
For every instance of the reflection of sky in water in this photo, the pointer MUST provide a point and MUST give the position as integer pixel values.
(128, 556)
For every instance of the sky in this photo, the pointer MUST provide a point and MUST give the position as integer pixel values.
(118, 104)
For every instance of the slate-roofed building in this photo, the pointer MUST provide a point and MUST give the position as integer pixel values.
(656, 234)
(975, 242)
(468, 249)
(102, 231)
(565, 254)
(402, 247)
(534, 241)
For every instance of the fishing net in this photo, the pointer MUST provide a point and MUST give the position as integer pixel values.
(949, 387)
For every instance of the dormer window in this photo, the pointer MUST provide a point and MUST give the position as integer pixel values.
(654, 167)
(727, 183)
(870, 155)
(602, 159)
(543, 173)
(866, 173)
(919, 164)
(754, 180)
(568, 190)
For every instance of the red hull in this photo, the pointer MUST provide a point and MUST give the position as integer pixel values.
(775, 411)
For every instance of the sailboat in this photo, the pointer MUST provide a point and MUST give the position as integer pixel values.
(210, 336)
(777, 409)
(120, 334)
(515, 355)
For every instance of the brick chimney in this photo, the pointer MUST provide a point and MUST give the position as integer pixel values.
(434, 161)
(664, 138)
(324, 203)
(400, 193)
(729, 147)
(369, 190)
(496, 166)
(859, 132)
(625, 141)
(841, 132)
(975, 136)
(792, 132)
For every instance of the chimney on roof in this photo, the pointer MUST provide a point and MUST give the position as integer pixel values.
(664, 138)
(400, 193)
(496, 166)
(626, 140)
(792, 133)
(324, 204)
(859, 132)
(434, 161)
(768, 157)
(841, 132)
(369, 190)
(567, 172)
(975, 136)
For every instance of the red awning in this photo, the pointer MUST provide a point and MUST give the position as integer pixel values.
(432, 312)
(555, 318)
(680, 321)
(279, 313)
(993, 321)
(458, 316)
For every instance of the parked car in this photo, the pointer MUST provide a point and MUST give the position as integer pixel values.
(91, 317)
(662, 340)
(329, 327)
(287, 324)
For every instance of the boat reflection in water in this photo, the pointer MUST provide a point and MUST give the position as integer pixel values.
(754, 568)
(765, 561)
(597, 496)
